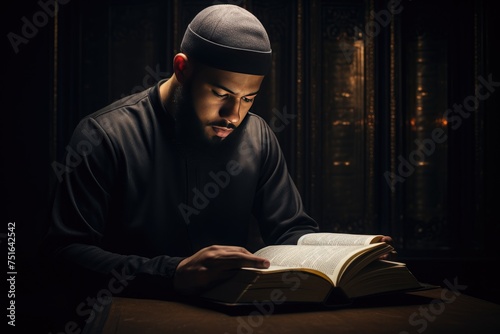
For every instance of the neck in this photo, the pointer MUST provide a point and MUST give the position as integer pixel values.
(167, 90)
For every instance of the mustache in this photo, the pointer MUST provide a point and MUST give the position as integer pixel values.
(223, 124)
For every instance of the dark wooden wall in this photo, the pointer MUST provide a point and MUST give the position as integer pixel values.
(358, 97)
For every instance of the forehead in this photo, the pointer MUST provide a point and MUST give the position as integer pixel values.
(238, 83)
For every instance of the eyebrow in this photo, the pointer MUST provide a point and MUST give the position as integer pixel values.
(230, 91)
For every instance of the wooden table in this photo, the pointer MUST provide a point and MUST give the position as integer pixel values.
(431, 311)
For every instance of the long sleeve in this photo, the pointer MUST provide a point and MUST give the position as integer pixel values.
(81, 212)
(278, 204)
(132, 201)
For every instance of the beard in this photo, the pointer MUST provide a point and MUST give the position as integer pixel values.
(189, 128)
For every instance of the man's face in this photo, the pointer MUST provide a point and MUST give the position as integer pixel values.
(214, 102)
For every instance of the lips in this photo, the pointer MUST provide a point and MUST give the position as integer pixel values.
(222, 132)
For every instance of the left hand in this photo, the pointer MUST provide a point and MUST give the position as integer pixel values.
(391, 256)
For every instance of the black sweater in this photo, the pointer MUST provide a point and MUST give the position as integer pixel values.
(133, 201)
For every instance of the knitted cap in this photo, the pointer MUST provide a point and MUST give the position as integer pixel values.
(228, 37)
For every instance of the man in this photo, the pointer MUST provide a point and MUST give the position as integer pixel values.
(171, 178)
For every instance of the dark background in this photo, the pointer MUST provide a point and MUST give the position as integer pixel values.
(355, 104)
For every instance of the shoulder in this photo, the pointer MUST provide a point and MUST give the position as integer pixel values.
(258, 126)
(257, 120)
(260, 135)
(105, 134)
(121, 117)
(124, 107)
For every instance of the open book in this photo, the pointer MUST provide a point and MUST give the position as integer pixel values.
(329, 268)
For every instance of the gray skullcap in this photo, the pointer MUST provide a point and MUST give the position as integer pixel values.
(228, 37)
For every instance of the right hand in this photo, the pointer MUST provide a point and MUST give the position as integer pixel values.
(211, 265)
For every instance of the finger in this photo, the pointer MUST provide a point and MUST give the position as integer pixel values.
(245, 258)
(235, 260)
(249, 261)
(386, 239)
(228, 249)
(391, 256)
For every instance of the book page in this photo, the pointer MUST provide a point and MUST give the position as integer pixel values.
(378, 277)
(330, 260)
(338, 239)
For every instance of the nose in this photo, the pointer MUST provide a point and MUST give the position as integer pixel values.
(231, 110)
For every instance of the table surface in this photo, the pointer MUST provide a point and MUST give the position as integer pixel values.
(431, 311)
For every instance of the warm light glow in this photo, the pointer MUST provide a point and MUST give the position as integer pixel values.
(341, 163)
(337, 123)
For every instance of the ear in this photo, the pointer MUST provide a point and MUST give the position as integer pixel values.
(182, 67)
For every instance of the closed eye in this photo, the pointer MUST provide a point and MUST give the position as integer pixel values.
(222, 96)
(246, 99)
